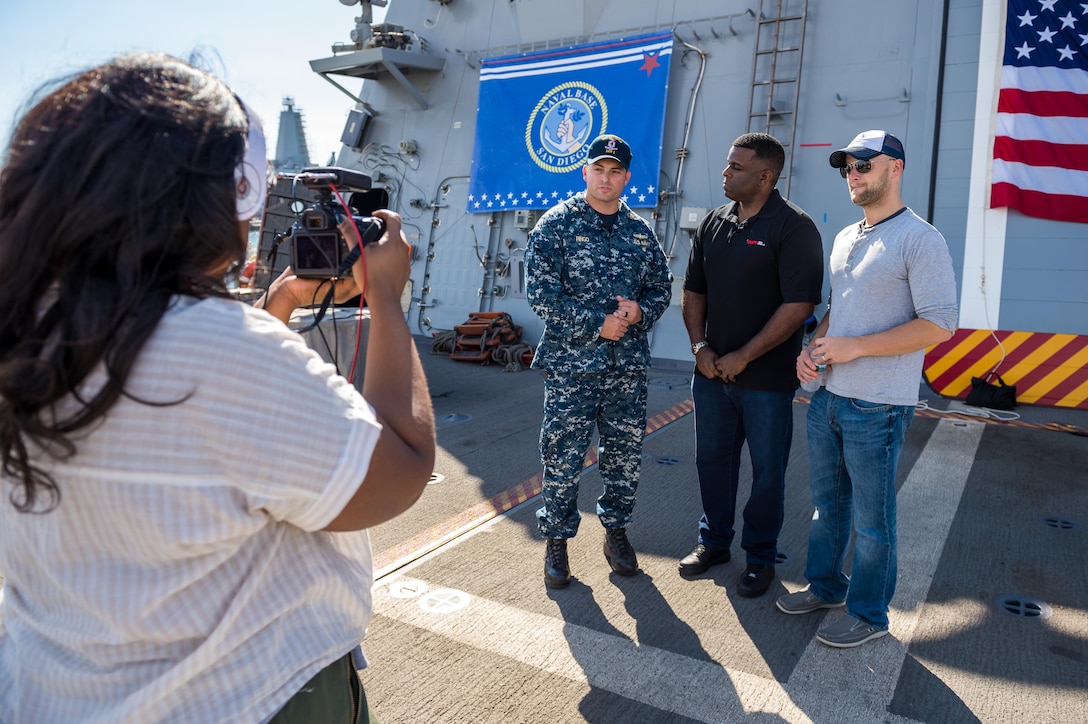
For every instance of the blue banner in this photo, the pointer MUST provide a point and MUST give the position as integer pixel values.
(538, 112)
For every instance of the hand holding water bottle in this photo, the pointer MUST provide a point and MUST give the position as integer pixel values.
(811, 372)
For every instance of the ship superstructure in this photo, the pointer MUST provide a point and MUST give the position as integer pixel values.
(811, 73)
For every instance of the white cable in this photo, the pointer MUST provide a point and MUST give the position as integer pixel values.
(970, 411)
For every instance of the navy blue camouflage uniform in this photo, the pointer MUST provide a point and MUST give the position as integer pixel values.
(575, 269)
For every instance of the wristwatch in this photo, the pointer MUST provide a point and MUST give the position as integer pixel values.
(697, 346)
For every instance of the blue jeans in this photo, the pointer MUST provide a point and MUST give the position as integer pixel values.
(853, 453)
(725, 416)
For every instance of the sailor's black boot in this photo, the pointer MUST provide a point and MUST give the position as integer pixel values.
(556, 568)
(619, 553)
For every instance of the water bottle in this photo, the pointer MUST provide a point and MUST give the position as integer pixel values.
(813, 385)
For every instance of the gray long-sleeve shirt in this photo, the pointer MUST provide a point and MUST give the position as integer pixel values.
(881, 277)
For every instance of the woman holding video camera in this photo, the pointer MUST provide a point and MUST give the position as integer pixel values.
(186, 486)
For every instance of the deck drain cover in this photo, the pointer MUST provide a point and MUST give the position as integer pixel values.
(1061, 522)
(667, 460)
(444, 600)
(1024, 607)
(436, 478)
(780, 558)
(454, 417)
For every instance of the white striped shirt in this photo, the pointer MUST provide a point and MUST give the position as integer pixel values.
(183, 576)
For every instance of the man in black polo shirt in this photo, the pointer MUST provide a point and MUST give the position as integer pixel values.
(754, 277)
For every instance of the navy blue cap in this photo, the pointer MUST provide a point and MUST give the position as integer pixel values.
(869, 145)
(610, 146)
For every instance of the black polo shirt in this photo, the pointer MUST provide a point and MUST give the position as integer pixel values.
(746, 271)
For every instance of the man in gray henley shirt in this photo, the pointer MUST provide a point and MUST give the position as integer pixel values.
(893, 293)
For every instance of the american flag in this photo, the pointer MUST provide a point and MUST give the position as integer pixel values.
(1041, 136)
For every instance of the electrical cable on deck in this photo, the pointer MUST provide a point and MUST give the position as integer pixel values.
(969, 411)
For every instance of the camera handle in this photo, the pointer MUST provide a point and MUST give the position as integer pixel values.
(349, 260)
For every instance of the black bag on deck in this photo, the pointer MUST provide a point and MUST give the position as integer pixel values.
(985, 394)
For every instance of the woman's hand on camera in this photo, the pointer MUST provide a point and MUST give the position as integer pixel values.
(288, 292)
(387, 263)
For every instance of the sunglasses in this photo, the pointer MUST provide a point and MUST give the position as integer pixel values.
(861, 166)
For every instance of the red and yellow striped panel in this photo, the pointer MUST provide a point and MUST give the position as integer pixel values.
(1047, 369)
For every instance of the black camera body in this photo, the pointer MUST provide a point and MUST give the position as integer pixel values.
(318, 249)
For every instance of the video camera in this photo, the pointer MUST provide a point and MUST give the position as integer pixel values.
(318, 249)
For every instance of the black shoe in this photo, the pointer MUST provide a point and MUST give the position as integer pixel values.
(701, 559)
(556, 568)
(755, 581)
(619, 553)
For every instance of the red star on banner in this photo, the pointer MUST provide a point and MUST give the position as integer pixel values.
(651, 63)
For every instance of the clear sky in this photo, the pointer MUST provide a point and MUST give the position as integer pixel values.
(261, 48)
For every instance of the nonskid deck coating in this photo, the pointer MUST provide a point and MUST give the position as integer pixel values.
(469, 633)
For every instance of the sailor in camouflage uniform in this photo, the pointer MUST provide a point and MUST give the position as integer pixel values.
(599, 280)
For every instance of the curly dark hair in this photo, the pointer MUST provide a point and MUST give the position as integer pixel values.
(118, 193)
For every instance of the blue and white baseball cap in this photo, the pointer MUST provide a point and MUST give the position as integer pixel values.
(869, 145)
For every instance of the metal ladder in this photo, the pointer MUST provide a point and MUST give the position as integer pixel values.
(776, 75)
